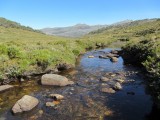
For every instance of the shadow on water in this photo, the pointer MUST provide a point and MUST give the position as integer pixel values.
(84, 100)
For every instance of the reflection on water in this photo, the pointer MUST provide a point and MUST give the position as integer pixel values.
(84, 100)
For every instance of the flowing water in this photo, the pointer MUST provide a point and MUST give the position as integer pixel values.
(84, 100)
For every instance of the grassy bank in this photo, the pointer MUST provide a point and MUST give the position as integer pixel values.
(23, 51)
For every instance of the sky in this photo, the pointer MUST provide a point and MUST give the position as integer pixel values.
(60, 13)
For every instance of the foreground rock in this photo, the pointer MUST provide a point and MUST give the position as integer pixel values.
(56, 96)
(5, 87)
(56, 80)
(26, 103)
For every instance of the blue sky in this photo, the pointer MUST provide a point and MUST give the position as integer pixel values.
(58, 13)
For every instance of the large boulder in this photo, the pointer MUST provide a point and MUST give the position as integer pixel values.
(56, 80)
(5, 87)
(26, 103)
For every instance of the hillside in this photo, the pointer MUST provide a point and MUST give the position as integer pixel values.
(78, 30)
(11, 24)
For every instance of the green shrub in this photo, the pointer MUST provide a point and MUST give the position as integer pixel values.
(13, 52)
(42, 58)
(14, 71)
(76, 52)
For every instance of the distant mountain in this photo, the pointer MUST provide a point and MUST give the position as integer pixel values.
(122, 22)
(77, 30)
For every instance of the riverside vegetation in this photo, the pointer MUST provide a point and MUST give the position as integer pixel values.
(24, 50)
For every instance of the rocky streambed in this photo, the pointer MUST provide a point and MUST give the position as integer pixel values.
(100, 87)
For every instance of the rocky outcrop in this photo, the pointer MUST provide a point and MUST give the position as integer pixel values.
(5, 87)
(55, 80)
(26, 103)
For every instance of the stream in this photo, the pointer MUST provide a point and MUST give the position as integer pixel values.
(85, 100)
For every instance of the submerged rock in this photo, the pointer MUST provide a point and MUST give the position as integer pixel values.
(114, 51)
(5, 87)
(117, 86)
(119, 80)
(26, 103)
(114, 59)
(56, 96)
(104, 79)
(103, 57)
(50, 104)
(56, 80)
(108, 90)
(110, 55)
(91, 56)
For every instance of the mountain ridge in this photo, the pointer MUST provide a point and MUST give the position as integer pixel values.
(77, 30)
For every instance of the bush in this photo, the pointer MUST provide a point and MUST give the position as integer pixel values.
(13, 52)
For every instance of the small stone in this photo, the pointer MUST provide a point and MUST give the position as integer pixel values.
(114, 59)
(34, 117)
(56, 96)
(104, 79)
(120, 80)
(22, 79)
(103, 57)
(108, 113)
(113, 75)
(1, 100)
(40, 112)
(72, 89)
(108, 90)
(50, 104)
(130, 80)
(117, 86)
(91, 56)
(56, 102)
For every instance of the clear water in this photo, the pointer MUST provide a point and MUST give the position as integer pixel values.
(84, 100)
